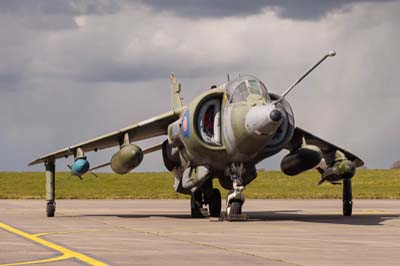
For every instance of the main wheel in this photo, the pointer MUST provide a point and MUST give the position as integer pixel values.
(50, 208)
(196, 203)
(347, 208)
(214, 206)
(235, 208)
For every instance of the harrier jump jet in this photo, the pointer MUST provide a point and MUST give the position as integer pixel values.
(223, 133)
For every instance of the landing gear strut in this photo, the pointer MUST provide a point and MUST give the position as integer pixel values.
(206, 195)
(196, 204)
(50, 188)
(347, 197)
(236, 198)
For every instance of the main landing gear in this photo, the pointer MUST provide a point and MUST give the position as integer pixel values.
(207, 195)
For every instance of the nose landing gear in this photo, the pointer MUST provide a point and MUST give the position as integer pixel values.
(236, 198)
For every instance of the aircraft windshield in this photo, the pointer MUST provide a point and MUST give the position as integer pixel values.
(254, 88)
(240, 93)
(239, 89)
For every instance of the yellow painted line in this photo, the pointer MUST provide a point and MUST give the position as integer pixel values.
(67, 253)
(62, 257)
(66, 232)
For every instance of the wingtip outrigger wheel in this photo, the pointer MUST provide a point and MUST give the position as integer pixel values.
(50, 188)
(347, 197)
(347, 169)
(50, 208)
(341, 169)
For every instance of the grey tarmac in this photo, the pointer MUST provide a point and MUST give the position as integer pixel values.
(161, 232)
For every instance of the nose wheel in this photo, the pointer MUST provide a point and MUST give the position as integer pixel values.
(234, 208)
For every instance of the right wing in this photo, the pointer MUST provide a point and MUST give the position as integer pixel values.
(152, 127)
(328, 149)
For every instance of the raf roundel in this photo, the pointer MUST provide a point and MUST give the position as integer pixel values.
(186, 125)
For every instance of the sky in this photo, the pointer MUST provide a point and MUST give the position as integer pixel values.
(73, 70)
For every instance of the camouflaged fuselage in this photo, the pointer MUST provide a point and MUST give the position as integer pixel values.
(237, 144)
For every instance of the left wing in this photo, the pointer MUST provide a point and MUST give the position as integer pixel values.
(152, 127)
(328, 150)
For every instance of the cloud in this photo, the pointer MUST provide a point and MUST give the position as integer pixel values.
(60, 8)
(296, 10)
(103, 67)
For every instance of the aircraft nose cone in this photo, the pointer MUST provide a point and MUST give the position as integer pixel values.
(275, 115)
(263, 120)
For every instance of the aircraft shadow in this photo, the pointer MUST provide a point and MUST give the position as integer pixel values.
(355, 219)
(280, 215)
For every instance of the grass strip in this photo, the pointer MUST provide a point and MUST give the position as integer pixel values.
(367, 184)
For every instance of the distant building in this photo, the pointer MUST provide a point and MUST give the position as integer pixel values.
(395, 165)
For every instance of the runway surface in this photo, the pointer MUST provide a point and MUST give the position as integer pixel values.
(161, 232)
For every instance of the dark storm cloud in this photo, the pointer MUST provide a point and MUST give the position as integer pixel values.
(305, 9)
(301, 10)
(53, 15)
(60, 7)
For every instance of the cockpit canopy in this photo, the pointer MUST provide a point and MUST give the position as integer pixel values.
(240, 88)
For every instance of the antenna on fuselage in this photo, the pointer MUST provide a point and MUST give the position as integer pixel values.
(227, 76)
(330, 54)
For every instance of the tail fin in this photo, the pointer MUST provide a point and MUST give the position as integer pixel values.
(175, 90)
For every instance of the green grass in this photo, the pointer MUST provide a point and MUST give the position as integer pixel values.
(371, 184)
